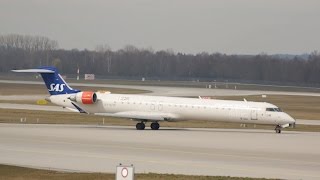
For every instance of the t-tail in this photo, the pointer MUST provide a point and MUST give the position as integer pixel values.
(53, 80)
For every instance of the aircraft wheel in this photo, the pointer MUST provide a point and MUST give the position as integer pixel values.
(140, 126)
(278, 129)
(155, 126)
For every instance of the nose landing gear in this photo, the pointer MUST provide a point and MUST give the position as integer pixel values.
(278, 129)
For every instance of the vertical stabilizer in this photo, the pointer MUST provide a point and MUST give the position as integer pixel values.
(53, 80)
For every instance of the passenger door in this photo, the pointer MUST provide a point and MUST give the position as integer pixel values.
(254, 114)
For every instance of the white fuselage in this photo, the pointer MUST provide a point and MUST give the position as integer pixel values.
(157, 108)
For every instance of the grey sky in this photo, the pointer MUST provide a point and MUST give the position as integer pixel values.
(227, 26)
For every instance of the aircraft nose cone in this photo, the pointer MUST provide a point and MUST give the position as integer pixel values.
(293, 120)
(290, 120)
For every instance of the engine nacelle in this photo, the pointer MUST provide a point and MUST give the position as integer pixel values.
(86, 97)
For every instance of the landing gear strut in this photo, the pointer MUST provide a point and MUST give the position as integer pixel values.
(140, 126)
(278, 129)
(154, 126)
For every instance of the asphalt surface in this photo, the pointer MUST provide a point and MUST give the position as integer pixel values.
(245, 153)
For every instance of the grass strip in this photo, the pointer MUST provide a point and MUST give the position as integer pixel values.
(47, 117)
(23, 173)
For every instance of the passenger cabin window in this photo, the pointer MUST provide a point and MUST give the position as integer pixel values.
(274, 109)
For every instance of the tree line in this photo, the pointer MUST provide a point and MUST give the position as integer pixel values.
(18, 51)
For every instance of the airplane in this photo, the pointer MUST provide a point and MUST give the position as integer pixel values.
(155, 109)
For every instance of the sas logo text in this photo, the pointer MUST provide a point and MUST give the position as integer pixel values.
(57, 87)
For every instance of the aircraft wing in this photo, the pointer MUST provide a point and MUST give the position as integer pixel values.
(140, 115)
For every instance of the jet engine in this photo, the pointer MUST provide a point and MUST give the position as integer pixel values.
(86, 97)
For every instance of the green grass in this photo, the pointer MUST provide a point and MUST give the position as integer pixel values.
(47, 117)
(22, 173)
(219, 85)
(34, 102)
(299, 107)
(36, 89)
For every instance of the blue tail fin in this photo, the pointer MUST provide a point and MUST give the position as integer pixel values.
(53, 80)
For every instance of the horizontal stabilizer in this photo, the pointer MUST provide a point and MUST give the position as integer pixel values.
(33, 71)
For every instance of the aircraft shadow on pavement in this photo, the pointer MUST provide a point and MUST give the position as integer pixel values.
(244, 131)
(134, 129)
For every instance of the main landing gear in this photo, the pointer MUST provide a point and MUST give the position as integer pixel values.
(278, 129)
(142, 126)
(154, 126)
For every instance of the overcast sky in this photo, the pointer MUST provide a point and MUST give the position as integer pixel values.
(189, 26)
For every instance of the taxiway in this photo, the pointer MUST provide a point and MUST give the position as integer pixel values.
(245, 153)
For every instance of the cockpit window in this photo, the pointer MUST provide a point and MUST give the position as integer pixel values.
(274, 109)
(277, 109)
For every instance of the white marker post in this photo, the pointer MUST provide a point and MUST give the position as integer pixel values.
(125, 172)
(78, 72)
